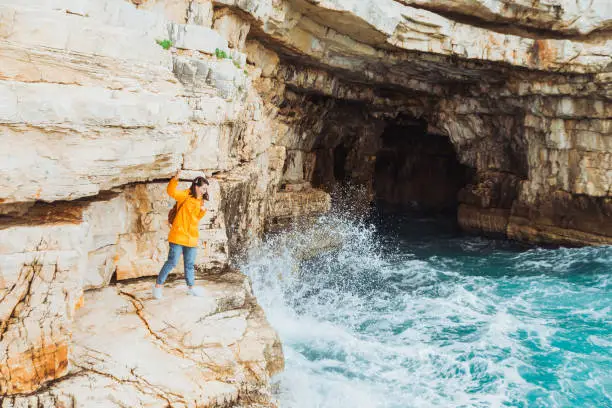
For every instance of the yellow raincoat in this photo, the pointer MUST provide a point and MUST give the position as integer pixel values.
(184, 230)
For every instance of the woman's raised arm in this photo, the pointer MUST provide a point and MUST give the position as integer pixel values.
(171, 189)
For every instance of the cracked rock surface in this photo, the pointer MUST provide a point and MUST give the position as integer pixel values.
(278, 102)
(130, 350)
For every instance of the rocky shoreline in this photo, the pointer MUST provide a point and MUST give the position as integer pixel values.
(498, 110)
(128, 349)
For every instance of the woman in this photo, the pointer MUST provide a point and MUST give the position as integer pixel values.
(184, 233)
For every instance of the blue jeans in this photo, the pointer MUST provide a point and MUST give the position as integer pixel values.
(189, 255)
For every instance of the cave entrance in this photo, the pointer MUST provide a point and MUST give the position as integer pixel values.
(340, 155)
(417, 171)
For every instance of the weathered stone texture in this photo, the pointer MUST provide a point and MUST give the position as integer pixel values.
(129, 234)
(39, 287)
(556, 16)
(181, 351)
(95, 116)
(94, 119)
(74, 132)
(291, 207)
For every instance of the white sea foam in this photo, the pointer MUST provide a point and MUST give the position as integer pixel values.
(363, 327)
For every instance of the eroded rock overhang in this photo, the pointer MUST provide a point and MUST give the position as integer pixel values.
(527, 107)
(96, 116)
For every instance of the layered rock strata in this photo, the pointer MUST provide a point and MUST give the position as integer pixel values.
(519, 89)
(95, 115)
(101, 101)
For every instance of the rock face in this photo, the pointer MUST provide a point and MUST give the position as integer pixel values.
(519, 88)
(95, 116)
(291, 206)
(78, 125)
(178, 351)
(39, 292)
(279, 103)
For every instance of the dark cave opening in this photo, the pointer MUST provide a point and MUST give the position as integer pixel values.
(340, 155)
(389, 162)
(417, 171)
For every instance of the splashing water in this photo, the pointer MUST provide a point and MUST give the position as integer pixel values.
(421, 316)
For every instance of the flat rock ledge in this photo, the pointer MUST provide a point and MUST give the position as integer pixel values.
(130, 350)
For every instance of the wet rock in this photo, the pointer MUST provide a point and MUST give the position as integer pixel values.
(491, 190)
(291, 207)
(563, 218)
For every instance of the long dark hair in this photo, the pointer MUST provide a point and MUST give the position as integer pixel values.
(198, 182)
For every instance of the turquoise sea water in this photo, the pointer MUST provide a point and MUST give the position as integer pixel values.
(411, 313)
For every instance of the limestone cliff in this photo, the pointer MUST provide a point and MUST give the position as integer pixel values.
(522, 91)
(95, 115)
(500, 110)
